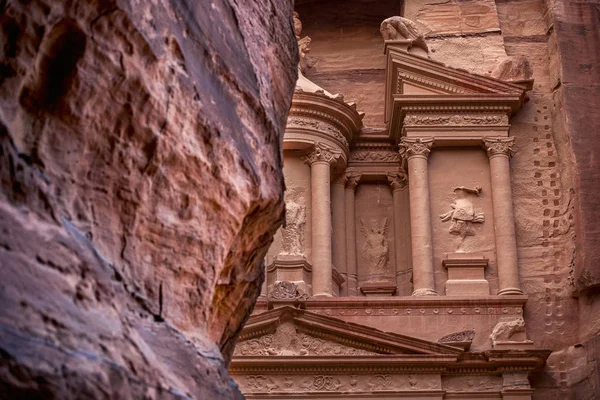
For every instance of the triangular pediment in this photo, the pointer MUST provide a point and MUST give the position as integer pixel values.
(288, 331)
(413, 76)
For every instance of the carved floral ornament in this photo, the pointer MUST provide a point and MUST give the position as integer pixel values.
(374, 156)
(499, 146)
(398, 180)
(462, 120)
(335, 383)
(410, 147)
(318, 125)
(321, 153)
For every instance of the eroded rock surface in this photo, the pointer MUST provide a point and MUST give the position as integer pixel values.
(140, 186)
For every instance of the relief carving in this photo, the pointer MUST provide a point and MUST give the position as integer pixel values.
(374, 156)
(398, 180)
(292, 232)
(499, 146)
(399, 28)
(411, 147)
(286, 341)
(463, 215)
(463, 336)
(285, 290)
(380, 383)
(321, 153)
(504, 330)
(375, 249)
(261, 383)
(321, 126)
(326, 383)
(416, 120)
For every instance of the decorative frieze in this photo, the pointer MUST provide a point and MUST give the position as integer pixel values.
(334, 383)
(418, 311)
(387, 156)
(318, 125)
(460, 120)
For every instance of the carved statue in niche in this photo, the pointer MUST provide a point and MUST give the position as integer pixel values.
(292, 233)
(463, 215)
(375, 249)
(400, 28)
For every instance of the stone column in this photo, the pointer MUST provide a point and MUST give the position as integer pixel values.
(320, 160)
(398, 182)
(499, 151)
(352, 282)
(338, 212)
(416, 151)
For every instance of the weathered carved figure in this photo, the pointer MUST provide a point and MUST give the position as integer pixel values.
(400, 28)
(293, 231)
(505, 329)
(463, 215)
(375, 249)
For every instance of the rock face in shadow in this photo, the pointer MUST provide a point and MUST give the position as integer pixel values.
(140, 187)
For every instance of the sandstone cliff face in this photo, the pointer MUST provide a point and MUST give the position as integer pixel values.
(140, 186)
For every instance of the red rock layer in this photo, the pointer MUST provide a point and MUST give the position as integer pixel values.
(140, 186)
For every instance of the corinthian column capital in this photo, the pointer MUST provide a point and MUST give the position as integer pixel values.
(321, 153)
(412, 147)
(499, 146)
(352, 179)
(397, 180)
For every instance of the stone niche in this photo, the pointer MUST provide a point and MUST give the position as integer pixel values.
(461, 210)
(374, 221)
(289, 257)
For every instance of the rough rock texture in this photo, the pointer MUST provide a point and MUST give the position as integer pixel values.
(140, 187)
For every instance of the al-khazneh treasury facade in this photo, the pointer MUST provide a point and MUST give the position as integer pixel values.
(397, 273)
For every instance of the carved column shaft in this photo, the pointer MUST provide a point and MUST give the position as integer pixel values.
(417, 152)
(320, 172)
(398, 183)
(339, 230)
(499, 151)
(352, 282)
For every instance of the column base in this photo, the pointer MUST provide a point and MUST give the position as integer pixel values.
(510, 292)
(322, 295)
(424, 292)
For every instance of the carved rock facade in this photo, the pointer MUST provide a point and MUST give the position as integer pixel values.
(410, 254)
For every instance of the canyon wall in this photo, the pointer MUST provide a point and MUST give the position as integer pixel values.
(140, 187)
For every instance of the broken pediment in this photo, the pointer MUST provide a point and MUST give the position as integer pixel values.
(436, 94)
(288, 331)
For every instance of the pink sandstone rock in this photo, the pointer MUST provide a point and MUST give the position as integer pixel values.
(141, 185)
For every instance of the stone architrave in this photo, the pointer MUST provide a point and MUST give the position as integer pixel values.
(320, 160)
(499, 151)
(416, 151)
